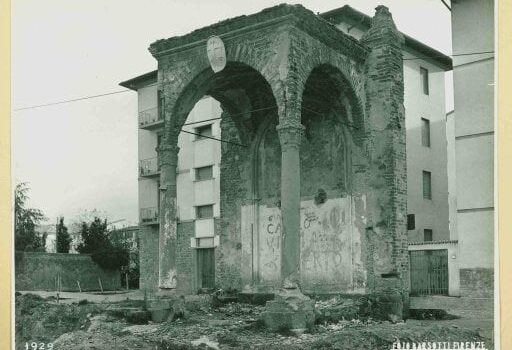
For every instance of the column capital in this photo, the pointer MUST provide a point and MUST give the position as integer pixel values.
(290, 134)
(168, 154)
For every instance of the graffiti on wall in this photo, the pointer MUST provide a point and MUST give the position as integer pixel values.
(326, 239)
(270, 244)
(330, 254)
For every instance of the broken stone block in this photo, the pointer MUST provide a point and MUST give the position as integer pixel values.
(289, 311)
(388, 306)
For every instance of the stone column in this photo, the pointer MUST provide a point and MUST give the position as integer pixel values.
(290, 137)
(168, 160)
(290, 309)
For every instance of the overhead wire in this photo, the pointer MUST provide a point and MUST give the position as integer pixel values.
(455, 55)
(127, 90)
(213, 138)
(445, 4)
(72, 100)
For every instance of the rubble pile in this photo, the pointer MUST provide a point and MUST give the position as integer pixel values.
(205, 326)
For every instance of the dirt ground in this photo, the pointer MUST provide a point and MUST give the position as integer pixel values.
(82, 324)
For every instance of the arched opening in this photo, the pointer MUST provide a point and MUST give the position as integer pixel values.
(332, 122)
(231, 159)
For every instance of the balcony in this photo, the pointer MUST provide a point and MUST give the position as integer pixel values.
(150, 119)
(149, 216)
(149, 167)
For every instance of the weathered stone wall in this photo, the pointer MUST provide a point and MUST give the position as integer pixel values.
(323, 156)
(235, 177)
(148, 258)
(185, 258)
(39, 271)
(331, 253)
(268, 235)
(269, 165)
(330, 247)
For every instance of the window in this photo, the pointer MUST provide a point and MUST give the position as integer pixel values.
(204, 173)
(427, 185)
(424, 79)
(425, 132)
(411, 222)
(204, 211)
(203, 132)
(427, 235)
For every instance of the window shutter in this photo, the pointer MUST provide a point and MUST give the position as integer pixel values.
(427, 185)
(427, 235)
(424, 80)
(425, 132)
(204, 173)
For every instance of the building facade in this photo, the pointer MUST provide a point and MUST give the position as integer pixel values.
(340, 213)
(473, 77)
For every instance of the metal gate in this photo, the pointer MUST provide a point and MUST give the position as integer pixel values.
(429, 272)
(206, 268)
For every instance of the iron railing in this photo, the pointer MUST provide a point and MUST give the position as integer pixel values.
(148, 167)
(149, 116)
(149, 215)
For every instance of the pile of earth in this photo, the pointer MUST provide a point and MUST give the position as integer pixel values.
(42, 320)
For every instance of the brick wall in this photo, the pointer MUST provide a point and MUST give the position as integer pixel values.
(235, 177)
(148, 255)
(185, 257)
(39, 271)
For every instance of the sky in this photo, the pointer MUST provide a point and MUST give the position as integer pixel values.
(82, 155)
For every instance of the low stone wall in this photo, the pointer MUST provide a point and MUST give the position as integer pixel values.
(477, 282)
(39, 271)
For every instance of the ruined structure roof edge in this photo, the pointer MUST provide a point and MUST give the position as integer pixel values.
(364, 20)
(306, 22)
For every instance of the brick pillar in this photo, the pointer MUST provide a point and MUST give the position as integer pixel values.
(168, 160)
(385, 144)
(290, 137)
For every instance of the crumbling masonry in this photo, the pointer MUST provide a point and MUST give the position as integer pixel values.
(317, 198)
